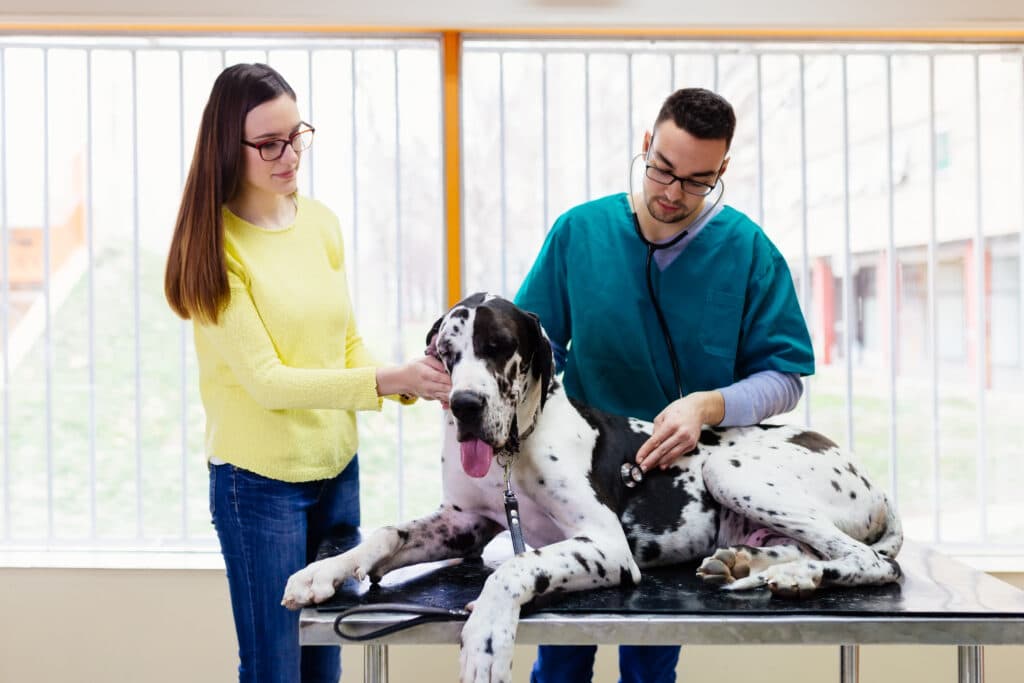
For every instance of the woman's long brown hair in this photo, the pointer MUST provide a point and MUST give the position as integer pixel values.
(196, 279)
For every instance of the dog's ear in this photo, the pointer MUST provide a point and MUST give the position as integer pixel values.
(432, 336)
(542, 365)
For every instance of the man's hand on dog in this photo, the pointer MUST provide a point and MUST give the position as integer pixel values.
(677, 428)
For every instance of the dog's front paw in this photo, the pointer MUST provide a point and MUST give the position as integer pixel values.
(487, 642)
(317, 582)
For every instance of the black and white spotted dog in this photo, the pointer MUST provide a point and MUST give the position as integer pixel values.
(766, 506)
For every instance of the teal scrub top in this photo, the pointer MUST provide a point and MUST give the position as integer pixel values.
(728, 299)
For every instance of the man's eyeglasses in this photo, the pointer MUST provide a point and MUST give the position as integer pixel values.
(689, 185)
(272, 150)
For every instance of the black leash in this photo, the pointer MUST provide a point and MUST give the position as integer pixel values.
(515, 528)
(424, 615)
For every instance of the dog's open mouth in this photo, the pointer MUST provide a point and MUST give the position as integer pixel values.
(476, 457)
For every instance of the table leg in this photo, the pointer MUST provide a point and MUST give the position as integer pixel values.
(849, 663)
(971, 660)
(375, 664)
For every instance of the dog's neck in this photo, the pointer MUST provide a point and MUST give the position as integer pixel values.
(528, 411)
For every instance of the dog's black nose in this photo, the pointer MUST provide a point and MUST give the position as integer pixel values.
(467, 405)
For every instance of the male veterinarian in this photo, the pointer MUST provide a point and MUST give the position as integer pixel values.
(679, 309)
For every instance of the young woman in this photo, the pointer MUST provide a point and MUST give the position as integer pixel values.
(260, 271)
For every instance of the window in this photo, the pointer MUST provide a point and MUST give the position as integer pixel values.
(836, 154)
(952, 323)
(102, 423)
(1006, 310)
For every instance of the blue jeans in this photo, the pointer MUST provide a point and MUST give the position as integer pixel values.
(575, 663)
(269, 529)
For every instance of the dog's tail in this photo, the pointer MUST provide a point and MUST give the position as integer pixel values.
(891, 540)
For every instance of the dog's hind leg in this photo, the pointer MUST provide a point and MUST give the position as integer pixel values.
(745, 548)
(445, 534)
(813, 552)
(841, 559)
(891, 540)
(847, 563)
(815, 521)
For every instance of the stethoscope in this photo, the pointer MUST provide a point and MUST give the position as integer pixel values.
(631, 473)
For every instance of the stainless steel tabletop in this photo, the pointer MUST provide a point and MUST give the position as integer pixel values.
(940, 602)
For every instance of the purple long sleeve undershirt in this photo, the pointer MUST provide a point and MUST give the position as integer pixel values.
(748, 401)
(760, 396)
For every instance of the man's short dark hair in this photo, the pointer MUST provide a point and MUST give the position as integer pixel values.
(701, 113)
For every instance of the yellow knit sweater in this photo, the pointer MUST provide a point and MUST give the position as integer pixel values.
(284, 369)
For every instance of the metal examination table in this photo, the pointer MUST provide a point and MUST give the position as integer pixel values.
(940, 602)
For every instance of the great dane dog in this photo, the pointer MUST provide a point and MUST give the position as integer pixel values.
(766, 506)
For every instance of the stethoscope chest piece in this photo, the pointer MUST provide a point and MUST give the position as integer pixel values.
(631, 474)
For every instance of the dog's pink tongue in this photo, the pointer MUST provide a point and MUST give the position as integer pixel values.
(476, 457)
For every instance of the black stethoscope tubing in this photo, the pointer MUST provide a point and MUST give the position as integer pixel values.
(653, 247)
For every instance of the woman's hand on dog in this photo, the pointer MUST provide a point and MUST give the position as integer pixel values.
(423, 377)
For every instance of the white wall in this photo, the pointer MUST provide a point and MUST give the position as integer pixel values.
(154, 625)
(169, 626)
(935, 14)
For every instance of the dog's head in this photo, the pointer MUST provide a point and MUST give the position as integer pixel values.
(501, 365)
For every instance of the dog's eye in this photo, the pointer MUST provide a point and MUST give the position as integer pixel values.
(499, 343)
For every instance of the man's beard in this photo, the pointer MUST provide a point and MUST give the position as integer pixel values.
(680, 214)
